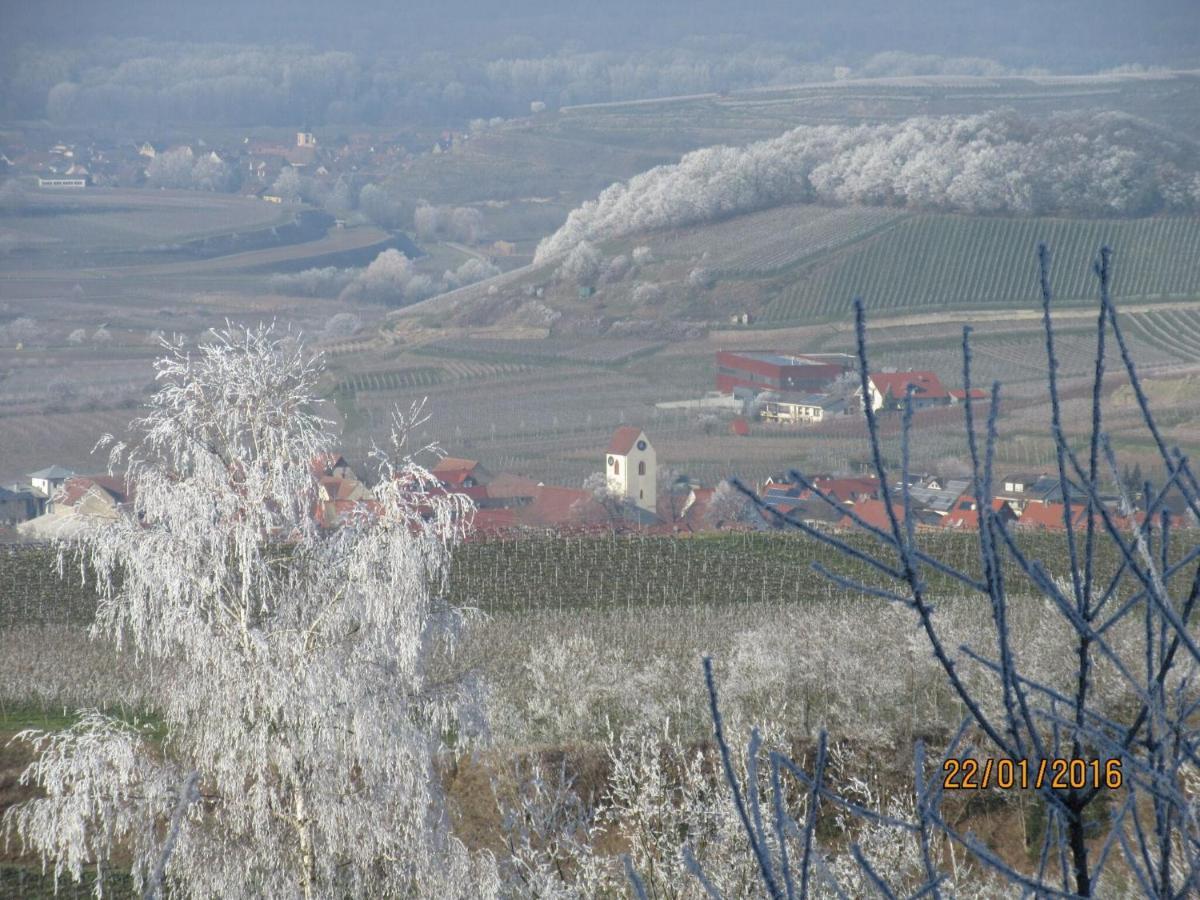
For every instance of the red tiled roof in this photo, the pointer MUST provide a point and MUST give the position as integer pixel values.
(927, 385)
(848, 489)
(623, 440)
(77, 486)
(964, 516)
(961, 518)
(454, 471)
(554, 506)
(506, 486)
(873, 512)
(453, 464)
(693, 519)
(961, 394)
(453, 477)
(493, 521)
(476, 493)
(1048, 516)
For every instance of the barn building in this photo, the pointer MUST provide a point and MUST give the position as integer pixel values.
(768, 370)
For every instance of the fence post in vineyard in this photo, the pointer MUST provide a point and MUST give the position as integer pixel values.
(1127, 824)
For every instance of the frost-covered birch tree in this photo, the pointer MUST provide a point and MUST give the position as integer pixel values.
(300, 721)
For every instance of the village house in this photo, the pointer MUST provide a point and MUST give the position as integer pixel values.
(80, 501)
(507, 490)
(454, 473)
(1023, 489)
(339, 497)
(959, 395)
(1050, 517)
(937, 495)
(787, 408)
(46, 483)
(965, 514)
(874, 514)
(18, 504)
(888, 389)
(339, 491)
(851, 489)
(691, 514)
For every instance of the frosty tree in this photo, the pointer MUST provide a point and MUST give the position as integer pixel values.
(300, 723)
(729, 506)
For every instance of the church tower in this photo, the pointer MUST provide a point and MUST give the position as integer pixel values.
(632, 467)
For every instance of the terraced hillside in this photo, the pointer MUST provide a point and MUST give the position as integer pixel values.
(803, 264)
(951, 262)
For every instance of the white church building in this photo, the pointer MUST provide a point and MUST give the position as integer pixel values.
(631, 467)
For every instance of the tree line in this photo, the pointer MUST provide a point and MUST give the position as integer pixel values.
(142, 81)
(998, 162)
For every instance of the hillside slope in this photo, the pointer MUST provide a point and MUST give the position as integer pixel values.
(803, 264)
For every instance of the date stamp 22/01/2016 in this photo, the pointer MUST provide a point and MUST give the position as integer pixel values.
(971, 774)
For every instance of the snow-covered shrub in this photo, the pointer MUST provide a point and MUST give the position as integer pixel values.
(582, 265)
(648, 294)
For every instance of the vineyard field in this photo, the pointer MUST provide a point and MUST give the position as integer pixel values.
(775, 239)
(581, 573)
(1175, 331)
(562, 572)
(426, 376)
(543, 351)
(955, 262)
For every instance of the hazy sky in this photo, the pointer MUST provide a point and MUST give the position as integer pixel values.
(1021, 32)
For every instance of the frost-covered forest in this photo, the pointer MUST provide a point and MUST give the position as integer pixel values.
(263, 85)
(998, 162)
(225, 62)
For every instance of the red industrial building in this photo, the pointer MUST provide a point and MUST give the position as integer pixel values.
(769, 370)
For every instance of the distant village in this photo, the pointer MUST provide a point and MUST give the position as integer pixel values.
(249, 167)
(631, 492)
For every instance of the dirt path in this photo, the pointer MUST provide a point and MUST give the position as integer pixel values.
(469, 251)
